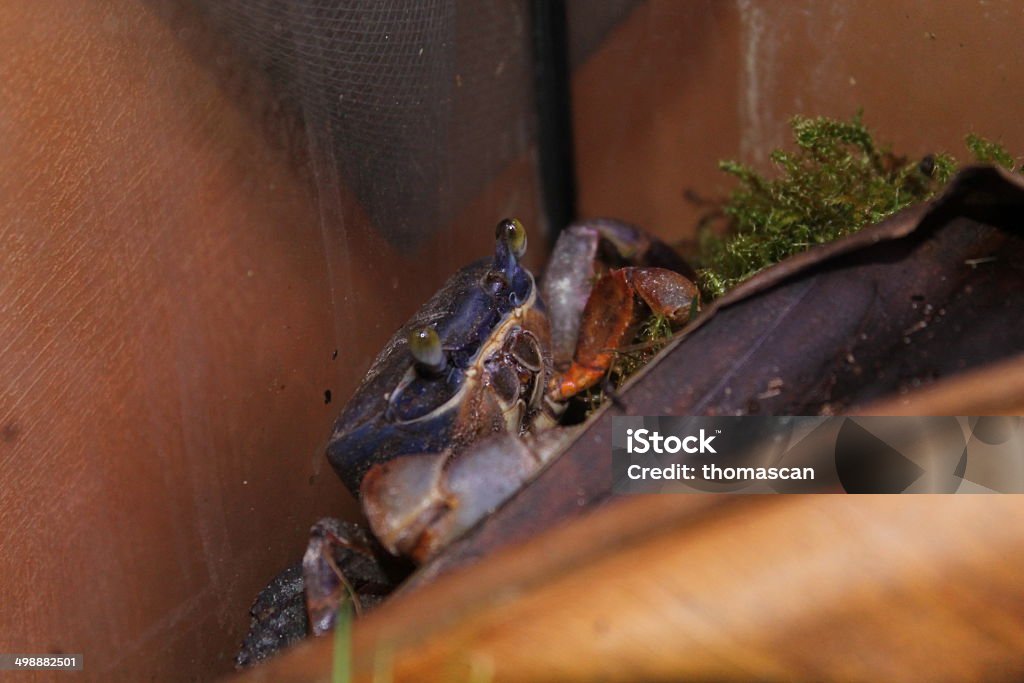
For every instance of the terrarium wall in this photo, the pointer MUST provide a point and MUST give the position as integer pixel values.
(678, 86)
(191, 261)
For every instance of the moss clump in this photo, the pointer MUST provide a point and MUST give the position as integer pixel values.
(837, 181)
(988, 152)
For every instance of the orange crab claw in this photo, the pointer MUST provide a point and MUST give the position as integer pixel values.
(609, 316)
(606, 319)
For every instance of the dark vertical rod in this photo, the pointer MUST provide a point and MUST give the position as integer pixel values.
(554, 113)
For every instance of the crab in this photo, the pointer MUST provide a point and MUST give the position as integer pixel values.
(456, 413)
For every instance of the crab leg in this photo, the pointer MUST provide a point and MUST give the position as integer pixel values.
(343, 562)
(608, 319)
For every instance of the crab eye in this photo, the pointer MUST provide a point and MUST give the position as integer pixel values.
(511, 230)
(425, 347)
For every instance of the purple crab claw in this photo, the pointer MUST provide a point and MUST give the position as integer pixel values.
(418, 504)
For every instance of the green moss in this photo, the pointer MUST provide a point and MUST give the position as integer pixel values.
(988, 152)
(654, 333)
(836, 181)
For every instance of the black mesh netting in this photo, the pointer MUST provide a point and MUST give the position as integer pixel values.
(411, 105)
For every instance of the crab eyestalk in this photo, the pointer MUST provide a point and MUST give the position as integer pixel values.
(507, 276)
(425, 347)
(512, 233)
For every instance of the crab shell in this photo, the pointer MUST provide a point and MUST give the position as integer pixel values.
(495, 336)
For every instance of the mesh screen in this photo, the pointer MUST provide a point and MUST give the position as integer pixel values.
(415, 105)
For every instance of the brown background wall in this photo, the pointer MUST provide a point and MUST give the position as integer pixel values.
(165, 331)
(168, 316)
(678, 86)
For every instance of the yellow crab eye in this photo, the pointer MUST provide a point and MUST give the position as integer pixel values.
(425, 347)
(511, 230)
